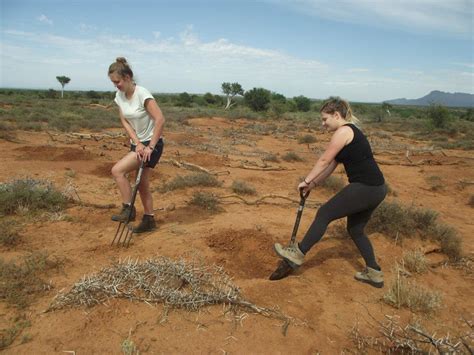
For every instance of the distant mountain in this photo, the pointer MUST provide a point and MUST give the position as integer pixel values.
(458, 99)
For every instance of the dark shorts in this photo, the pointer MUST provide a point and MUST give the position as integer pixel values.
(155, 156)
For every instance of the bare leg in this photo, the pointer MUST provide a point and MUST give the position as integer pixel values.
(125, 165)
(145, 193)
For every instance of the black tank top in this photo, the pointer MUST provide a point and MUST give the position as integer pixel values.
(359, 161)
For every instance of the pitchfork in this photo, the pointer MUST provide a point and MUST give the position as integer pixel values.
(124, 228)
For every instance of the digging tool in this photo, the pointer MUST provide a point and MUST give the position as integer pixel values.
(284, 268)
(124, 228)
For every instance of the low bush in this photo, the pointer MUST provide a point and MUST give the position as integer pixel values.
(21, 282)
(242, 188)
(398, 221)
(333, 183)
(192, 180)
(415, 261)
(403, 293)
(30, 195)
(307, 139)
(206, 200)
(291, 157)
(8, 233)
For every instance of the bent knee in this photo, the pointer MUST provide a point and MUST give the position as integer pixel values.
(355, 232)
(117, 172)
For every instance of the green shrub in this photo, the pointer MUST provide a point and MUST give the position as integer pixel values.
(31, 195)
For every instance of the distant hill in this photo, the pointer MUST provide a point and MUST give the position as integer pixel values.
(458, 99)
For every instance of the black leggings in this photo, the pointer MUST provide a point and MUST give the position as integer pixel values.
(356, 201)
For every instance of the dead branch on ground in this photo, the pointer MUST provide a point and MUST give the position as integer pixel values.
(262, 199)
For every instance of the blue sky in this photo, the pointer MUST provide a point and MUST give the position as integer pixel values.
(362, 50)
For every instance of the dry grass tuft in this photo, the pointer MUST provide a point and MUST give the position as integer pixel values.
(398, 221)
(242, 188)
(30, 195)
(192, 180)
(206, 200)
(20, 283)
(9, 233)
(8, 335)
(403, 293)
(307, 139)
(292, 157)
(415, 261)
(333, 183)
(271, 158)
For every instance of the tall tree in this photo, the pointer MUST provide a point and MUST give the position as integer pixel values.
(231, 90)
(63, 80)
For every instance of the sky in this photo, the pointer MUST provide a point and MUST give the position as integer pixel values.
(361, 50)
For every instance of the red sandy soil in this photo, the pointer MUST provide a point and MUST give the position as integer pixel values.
(322, 297)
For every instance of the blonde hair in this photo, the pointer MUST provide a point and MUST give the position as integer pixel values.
(121, 67)
(336, 104)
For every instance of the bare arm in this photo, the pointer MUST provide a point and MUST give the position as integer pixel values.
(326, 163)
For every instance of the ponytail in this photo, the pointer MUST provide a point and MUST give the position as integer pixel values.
(336, 104)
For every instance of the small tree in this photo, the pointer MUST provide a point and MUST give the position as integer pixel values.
(258, 99)
(302, 103)
(63, 80)
(438, 115)
(184, 99)
(231, 90)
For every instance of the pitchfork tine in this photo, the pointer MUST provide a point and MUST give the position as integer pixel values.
(124, 226)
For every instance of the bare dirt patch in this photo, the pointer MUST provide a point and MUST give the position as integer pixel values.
(50, 153)
(245, 253)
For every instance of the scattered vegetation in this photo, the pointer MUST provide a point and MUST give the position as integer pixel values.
(415, 261)
(30, 195)
(242, 188)
(129, 348)
(206, 200)
(21, 282)
(8, 233)
(292, 157)
(403, 293)
(307, 139)
(434, 183)
(271, 158)
(8, 335)
(333, 183)
(398, 221)
(192, 180)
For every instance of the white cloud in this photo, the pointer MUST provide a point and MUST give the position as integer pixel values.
(453, 17)
(42, 18)
(187, 63)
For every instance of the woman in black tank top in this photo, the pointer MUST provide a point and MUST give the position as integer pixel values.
(356, 201)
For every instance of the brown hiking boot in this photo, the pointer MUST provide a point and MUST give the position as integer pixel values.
(146, 225)
(123, 214)
(371, 276)
(292, 254)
